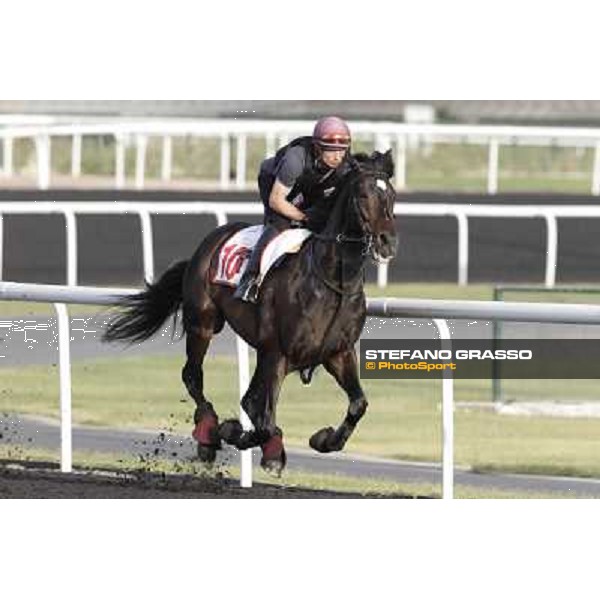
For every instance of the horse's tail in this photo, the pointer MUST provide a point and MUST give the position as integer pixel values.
(145, 313)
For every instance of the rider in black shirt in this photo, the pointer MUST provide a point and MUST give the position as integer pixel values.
(294, 186)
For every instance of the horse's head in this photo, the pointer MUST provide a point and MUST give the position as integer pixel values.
(371, 209)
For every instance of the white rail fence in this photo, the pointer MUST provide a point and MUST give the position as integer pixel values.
(220, 210)
(383, 135)
(437, 310)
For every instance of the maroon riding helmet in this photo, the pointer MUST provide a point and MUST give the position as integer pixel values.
(332, 133)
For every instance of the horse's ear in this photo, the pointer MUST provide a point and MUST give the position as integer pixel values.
(387, 163)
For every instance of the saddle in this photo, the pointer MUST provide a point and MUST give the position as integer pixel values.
(235, 252)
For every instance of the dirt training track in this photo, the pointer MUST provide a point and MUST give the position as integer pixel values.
(21, 479)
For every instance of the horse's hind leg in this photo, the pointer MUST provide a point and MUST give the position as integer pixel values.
(199, 331)
(343, 367)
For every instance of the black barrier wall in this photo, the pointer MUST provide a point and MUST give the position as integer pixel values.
(110, 246)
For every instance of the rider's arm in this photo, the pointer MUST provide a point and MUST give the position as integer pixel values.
(279, 203)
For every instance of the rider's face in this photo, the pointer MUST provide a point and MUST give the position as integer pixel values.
(333, 158)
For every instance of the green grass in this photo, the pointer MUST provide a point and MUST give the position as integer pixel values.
(14, 308)
(403, 421)
(476, 291)
(558, 297)
(438, 291)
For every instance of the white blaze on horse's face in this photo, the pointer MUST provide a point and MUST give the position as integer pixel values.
(382, 185)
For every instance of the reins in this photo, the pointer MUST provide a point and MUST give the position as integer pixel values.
(331, 285)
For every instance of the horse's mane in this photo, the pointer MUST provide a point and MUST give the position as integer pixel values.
(376, 161)
(362, 158)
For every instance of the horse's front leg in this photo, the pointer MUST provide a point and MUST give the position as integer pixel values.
(259, 403)
(343, 366)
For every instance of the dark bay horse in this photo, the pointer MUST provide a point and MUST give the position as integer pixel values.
(311, 312)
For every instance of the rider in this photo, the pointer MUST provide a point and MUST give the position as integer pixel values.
(291, 183)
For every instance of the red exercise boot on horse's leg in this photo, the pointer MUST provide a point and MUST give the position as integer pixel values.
(205, 418)
(199, 331)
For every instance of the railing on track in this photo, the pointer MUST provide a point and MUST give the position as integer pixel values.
(549, 213)
(438, 310)
(383, 135)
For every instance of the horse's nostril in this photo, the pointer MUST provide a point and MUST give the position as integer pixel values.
(387, 243)
(384, 239)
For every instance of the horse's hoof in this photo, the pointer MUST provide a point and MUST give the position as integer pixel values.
(274, 457)
(206, 432)
(273, 467)
(321, 440)
(231, 431)
(207, 454)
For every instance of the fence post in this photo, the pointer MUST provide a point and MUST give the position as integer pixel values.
(225, 160)
(71, 235)
(596, 171)
(140, 160)
(64, 362)
(382, 275)
(76, 155)
(243, 353)
(119, 161)
(400, 162)
(269, 144)
(240, 165)
(167, 158)
(463, 249)
(496, 333)
(551, 249)
(221, 218)
(382, 142)
(447, 416)
(492, 184)
(42, 150)
(147, 245)
(284, 139)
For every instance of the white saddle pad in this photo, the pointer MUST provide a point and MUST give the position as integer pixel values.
(235, 253)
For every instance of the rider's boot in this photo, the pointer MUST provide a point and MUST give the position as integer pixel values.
(248, 286)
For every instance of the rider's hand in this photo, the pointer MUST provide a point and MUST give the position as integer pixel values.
(297, 224)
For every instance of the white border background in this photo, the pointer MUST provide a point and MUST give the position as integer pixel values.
(313, 50)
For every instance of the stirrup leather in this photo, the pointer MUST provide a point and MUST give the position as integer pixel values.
(250, 294)
(247, 291)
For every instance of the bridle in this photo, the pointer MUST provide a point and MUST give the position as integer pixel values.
(367, 239)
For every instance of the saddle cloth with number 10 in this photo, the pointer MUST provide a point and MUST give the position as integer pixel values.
(234, 254)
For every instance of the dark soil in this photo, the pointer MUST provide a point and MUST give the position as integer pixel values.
(45, 480)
